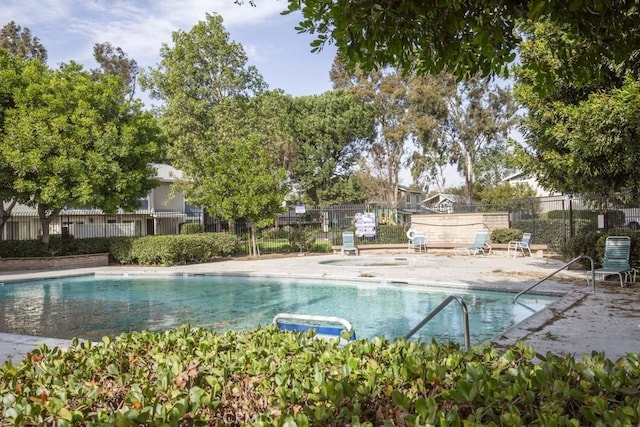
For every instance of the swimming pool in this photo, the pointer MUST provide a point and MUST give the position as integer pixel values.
(90, 307)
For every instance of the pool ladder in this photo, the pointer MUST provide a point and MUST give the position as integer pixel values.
(579, 257)
(465, 312)
(465, 319)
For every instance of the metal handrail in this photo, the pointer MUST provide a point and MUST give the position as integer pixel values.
(593, 275)
(465, 319)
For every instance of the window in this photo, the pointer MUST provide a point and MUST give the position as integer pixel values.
(144, 202)
(192, 210)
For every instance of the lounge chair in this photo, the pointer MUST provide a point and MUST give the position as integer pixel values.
(326, 327)
(417, 241)
(520, 245)
(349, 243)
(479, 245)
(617, 250)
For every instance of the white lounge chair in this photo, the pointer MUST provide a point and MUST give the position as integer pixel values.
(520, 245)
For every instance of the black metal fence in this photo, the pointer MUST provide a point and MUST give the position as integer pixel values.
(551, 220)
(554, 220)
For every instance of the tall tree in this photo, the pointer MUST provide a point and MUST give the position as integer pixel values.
(19, 42)
(388, 93)
(10, 78)
(582, 137)
(221, 135)
(72, 141)
(332, 130)
(429, 108)
(115, 61)
(476, 127)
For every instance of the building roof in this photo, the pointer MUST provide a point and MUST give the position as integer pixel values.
(166, 173)
(453, 198)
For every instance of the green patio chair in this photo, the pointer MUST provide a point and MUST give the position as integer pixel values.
(479, 245)
(617, 250)
(349, 243)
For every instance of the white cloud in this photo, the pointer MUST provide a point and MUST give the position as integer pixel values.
(70, 28)
(138, 27)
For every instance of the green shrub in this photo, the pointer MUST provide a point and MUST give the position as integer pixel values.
(615, 218)
(192, 376)
(592, 244)
(23, 248)
(505, 235)
(321, 247)
(552, 232)
(390, 233)
(58, 246)
(305, 237)
(173, 249)
(191, 228)
(275, 233)
(120, 249)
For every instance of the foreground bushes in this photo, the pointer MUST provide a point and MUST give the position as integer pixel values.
(192, 376)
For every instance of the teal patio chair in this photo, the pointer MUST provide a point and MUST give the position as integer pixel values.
(617, 250)
(349, 243)
(520, 245)
(480, 244)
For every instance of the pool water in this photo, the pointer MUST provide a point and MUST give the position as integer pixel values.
(90, 307)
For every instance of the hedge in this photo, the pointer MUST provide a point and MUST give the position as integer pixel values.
(615, 218)
(385, 233)
(505, 235)
(172, 249)
(146, 250)
(592, 244)
(192, 376)
(551, 231)
(57, 246)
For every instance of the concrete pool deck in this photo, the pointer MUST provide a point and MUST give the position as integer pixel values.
(578, 323)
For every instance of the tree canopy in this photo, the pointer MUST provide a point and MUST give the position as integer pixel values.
(332, 132)
(582, 137)
(388, 93)
(214, 118)
(18, 41)
(472, 135)
(462, 37)
(116, 62)
(69, 140)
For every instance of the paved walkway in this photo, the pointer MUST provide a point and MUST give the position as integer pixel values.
(578, 323)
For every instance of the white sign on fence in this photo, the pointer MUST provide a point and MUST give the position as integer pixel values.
(365, 224)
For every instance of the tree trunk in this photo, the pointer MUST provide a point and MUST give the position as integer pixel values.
(5, 215)
(469, 178)
(45, 219)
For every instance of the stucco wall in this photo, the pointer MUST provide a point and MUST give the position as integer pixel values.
(456, 229)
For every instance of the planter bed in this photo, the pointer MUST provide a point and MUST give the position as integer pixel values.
(54, 263)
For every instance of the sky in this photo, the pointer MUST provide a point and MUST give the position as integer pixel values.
(69, 29)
